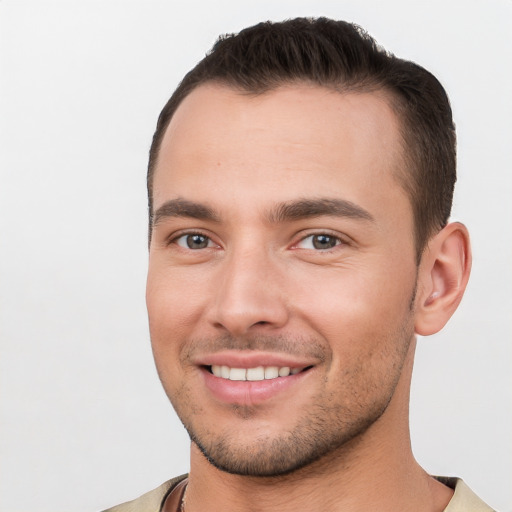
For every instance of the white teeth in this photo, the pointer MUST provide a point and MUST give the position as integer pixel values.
(253, 374)
(284, 371)
(238, 374)
(256, 373)
(271, 372)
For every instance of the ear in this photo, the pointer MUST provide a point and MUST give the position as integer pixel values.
(442, 278)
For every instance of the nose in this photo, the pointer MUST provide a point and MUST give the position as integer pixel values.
(250, 294)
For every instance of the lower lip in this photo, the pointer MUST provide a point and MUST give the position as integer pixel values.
(249, 392)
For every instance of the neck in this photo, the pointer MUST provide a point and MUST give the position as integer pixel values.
(376, 471)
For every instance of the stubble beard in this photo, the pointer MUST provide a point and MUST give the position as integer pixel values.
(310, 441)
(330, 426)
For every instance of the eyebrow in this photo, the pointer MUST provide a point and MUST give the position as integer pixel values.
(184, 208)
(310, 208)
(287, 211)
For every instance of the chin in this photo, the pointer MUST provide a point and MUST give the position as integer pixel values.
(311, 442)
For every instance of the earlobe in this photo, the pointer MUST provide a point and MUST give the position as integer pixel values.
(442, 278)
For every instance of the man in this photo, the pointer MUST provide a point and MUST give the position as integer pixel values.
(300, 183)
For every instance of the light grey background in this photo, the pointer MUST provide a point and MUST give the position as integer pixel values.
(84, 423)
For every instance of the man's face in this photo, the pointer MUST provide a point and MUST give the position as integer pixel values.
(282, 244)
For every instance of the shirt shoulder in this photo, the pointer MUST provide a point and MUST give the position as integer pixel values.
(464, 499)
(152, 501)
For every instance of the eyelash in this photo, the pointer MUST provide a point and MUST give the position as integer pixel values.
(174, 239)
(337, 239)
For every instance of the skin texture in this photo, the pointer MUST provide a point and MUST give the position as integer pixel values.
(250, 182)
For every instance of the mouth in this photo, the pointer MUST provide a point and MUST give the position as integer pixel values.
(258, 373)
(254, 377)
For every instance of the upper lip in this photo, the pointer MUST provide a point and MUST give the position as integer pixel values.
(252, 359)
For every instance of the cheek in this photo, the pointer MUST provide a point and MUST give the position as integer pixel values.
(368, 333)
(174, 302)
(172, 313)
(356, 310)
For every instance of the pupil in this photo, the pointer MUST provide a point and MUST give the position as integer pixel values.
(323, 242)
(197, 241)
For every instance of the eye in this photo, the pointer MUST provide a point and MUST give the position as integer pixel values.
(319, 242)
(194, 241)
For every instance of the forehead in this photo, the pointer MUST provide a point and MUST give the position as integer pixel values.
(307, 137)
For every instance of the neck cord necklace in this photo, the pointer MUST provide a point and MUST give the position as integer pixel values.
(183, 499)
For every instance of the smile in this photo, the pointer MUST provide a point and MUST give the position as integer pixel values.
(253, 374)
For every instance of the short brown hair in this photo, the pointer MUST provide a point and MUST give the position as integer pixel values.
(343, 57)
